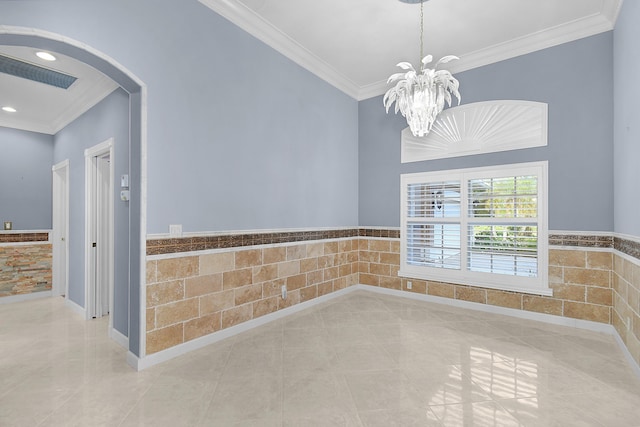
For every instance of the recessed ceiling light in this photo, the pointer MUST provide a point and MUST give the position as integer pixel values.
(46, 56)
(9, 109)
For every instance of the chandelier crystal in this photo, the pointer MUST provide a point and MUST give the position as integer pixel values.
(420, 96)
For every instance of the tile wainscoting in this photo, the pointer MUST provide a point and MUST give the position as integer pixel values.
(200, 285)
(25, 263)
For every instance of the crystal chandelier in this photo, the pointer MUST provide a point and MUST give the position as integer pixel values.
(420, 97)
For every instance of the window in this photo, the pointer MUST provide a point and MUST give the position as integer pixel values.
(482, 227)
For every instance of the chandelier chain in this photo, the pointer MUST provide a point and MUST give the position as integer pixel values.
(421, 33)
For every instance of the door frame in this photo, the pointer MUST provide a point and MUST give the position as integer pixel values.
(91, 205)
(60, 216)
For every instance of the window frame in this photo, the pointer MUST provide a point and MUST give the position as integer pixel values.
(532, 285)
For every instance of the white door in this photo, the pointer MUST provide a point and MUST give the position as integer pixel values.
(60, 223)
(99, 267)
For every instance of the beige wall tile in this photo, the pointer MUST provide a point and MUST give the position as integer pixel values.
(569, 292)
(417, 286)
(236, 315)
(216, 263)
(567, 258)
(265, 273)
(164, 338)
(627, 270)
(296, 252)
(176, 312)
(344, 245)
(216, 302)
(380, 269)
(595, 313)
(367, 256)
(202, 285)
(308, 264)
(379, 245)
(362, 267)
(177, 268)
(585, 276)
(556, 275)
(273, 288)
(331, 273)
(248, 258)
(391, 282)
(236, 278)
(325, 261)
(471, 294)
(296, 282)
(315, 250)
(345, 270)
(325, 288)
(619, 285)
(395, 246)
(633, 298)
(308, 293)
(340, 283)
(600, 296)
(247, 294)
(274, 255)
(289, 268)
(202, 326)
(600, 260)
(315, 277)
(151, 271)
(504, 299)
(293, 298)
(389, 258)
(635, 325)
(635, 276)
(265, 306)
(164, 293)
(331, 248)
(441, 289)
(151, 319)
(369, 279)
(542, 304)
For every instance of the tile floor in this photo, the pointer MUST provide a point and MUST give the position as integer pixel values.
(362, 359)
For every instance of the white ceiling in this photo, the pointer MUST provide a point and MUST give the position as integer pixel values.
(355, 44)
(47, 109)
(352, 44)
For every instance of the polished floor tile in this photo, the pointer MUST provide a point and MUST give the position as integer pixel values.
(362, 359)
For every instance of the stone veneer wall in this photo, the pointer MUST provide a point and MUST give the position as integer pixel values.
(189, 295)
(25, 263)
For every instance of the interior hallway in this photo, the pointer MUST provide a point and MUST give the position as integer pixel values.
(362, 359)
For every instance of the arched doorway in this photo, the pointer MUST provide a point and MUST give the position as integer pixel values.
(31, 37)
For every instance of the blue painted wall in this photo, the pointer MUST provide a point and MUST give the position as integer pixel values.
(25, 179)
(240, 137)
(627, 120)
(109, 118)
(573, 78)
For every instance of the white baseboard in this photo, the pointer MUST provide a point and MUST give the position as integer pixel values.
(170, 353)
(75, 308)
(540, 317)
(119, 338)
(25, 297)
(522, 314)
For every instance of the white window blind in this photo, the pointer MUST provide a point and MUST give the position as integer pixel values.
(482, 226)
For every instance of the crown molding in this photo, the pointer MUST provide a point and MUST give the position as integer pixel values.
(83, 102)
(249, 21)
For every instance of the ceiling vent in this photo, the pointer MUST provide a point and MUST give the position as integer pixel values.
(35, 73)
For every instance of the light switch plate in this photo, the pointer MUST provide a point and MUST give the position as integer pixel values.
(175, 230)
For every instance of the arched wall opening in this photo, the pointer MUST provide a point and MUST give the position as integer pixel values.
(31, 37)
